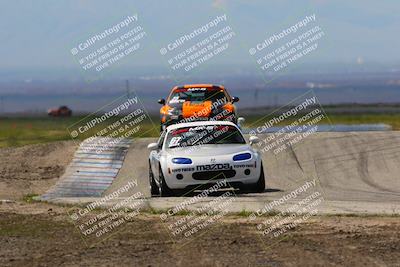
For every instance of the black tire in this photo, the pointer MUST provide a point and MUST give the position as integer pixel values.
(154, 191)
(257, 187)
(164, 190)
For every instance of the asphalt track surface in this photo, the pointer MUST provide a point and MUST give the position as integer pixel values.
(355, 172)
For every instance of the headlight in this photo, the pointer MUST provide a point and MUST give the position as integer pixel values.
(243, 156)
(181, 161)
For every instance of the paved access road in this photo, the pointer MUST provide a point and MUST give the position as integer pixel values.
(354, 171)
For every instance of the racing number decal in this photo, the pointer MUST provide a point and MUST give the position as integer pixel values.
(175, 141)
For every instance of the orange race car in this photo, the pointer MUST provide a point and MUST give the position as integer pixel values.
(193, 102)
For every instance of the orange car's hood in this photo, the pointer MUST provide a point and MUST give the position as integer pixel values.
(200, 109)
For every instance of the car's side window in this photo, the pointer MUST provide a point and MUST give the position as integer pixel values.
(227, 95)
(161, 140)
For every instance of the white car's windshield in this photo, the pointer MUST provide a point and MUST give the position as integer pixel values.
(202, 135)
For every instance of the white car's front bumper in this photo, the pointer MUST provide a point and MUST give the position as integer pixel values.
(180, 176)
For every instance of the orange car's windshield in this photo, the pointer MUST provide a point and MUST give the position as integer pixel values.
(201, 95)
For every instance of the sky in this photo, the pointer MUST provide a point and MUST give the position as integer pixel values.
(40, 33)
(37, 38)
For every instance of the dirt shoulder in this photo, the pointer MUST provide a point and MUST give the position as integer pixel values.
(40, 234)
(33, 169)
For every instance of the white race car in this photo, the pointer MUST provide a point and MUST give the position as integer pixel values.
(197, 154)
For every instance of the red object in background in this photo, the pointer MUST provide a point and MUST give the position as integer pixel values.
(62, 111)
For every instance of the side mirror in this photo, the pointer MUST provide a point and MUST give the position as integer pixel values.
(240, 121)
(235, 99)
(152, 146)
(254, 140)
(161, 101)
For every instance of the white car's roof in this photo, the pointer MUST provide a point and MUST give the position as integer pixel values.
(199, 123)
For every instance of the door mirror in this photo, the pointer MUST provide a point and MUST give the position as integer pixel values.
(152, 146)
(235, 99)
(161, 101)
(254, 140)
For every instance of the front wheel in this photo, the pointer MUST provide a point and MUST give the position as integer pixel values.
(164, 190)
(154, 191)
(257, 187)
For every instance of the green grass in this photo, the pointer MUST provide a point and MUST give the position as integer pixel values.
(24, 131)
(390, 119)
(18, 225)
(29, 198)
